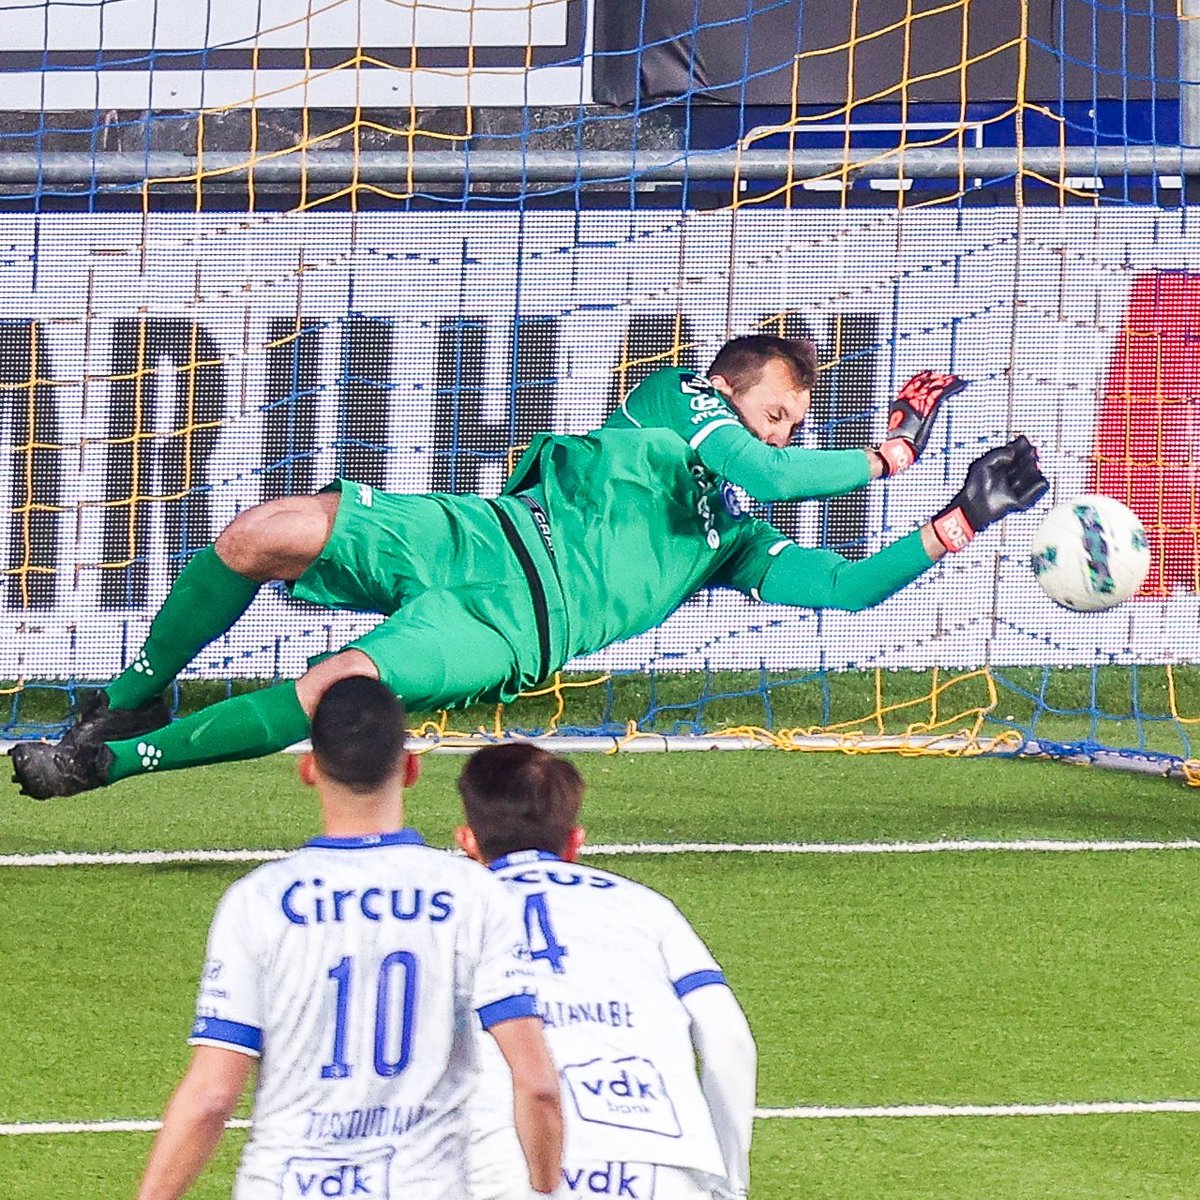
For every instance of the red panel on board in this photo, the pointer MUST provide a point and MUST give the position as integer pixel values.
(1148, 424)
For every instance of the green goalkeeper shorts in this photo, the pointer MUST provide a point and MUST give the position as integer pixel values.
(472, 602)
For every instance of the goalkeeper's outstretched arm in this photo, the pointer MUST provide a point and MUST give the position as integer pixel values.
(772, 472)
(785, 472)
(1002, 481)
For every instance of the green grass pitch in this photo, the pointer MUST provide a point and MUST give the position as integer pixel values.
(991, 978)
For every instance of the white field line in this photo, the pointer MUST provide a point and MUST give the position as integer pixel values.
(804, 1113)
(40, 1128)
(152, 858)
(1085, 1108)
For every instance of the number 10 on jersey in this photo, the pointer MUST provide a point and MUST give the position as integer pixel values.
(395, 986)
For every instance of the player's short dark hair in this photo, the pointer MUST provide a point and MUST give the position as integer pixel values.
(519, 797)
(741, 359)
(358, 732)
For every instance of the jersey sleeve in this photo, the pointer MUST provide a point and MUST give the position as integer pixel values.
(757, 546)
(780, 472)
(504, 981)
(728, 1061)
(767, 566)
(822, 579)
(229, 1004)
(690, 406)
(690, 964)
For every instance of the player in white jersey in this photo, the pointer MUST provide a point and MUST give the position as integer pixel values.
(353, 971)
(630, 996)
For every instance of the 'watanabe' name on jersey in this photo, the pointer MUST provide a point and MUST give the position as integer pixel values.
(361, 963)
(612, 961)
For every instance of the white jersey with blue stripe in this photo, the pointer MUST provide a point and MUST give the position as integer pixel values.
(356, 968)
(612, 960)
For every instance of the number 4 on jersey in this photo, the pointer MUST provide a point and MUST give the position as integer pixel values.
(539, 933)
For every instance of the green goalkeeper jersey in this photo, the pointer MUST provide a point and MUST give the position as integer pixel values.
(691, 407)
(638, 524)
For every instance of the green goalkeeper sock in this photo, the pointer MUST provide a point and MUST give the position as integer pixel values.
(204, 602)
(242, 727)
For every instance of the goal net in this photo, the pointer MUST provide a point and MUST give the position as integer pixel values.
(240, 256)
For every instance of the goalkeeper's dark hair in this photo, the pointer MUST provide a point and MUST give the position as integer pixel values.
(742, 359)
(519, 797)
(358, 733)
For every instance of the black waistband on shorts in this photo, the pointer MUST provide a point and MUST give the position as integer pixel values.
(540, 519)
(537, 590)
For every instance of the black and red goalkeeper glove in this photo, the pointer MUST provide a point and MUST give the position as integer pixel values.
(911, 417)
(1002, 481)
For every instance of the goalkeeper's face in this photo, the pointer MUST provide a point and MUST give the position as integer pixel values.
(772, 407)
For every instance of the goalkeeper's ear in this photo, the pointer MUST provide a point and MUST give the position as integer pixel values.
(722, 385)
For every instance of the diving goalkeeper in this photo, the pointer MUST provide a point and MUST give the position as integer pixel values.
(741, 417)
(594, 539)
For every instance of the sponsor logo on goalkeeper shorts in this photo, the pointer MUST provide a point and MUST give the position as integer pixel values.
(318, 1178)
(626, 1093)
(150, 755)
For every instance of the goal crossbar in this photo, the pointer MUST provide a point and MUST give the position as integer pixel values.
(160, 168)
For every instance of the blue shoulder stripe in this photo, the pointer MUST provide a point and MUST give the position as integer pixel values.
(213, 1029)
(697, 979)
(522, 1005)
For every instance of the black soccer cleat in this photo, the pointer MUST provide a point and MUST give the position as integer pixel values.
(44, 770)
(95, 722)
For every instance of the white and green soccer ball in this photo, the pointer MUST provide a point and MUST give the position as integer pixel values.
(1090, 553)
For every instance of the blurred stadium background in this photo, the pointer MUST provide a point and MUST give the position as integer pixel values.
(246, 247)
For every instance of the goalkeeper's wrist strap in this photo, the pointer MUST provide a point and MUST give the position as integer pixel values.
(952, 528)
(897, 455)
